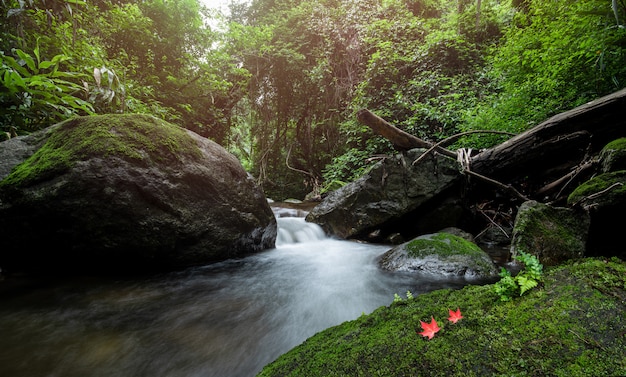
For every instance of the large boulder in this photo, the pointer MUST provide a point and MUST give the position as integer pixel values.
(441, 254)
(552, 234)
(396, 196)
(125, 193)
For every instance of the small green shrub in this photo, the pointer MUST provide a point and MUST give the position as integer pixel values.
(37, 92)
(527, 279)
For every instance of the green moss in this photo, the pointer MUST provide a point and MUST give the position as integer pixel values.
(131, 137)
(616, 144)
(598, 184)
(441, 244)
(548, 227)
(572, 326)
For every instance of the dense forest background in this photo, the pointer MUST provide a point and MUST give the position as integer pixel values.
(278, 82)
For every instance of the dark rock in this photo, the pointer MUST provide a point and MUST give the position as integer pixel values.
(613, 156)
(441, 254)
(394, 197)
(14, 151)
(552, 234)
(604, 196)
(127, 193)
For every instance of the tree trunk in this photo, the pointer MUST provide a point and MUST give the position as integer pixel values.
(540, 155)
(568, 136)
(401, 141)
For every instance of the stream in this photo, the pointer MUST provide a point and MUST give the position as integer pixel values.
(227, 319)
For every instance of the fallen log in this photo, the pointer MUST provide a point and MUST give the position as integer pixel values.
(546, 152)
(401, 141)
(568, 136)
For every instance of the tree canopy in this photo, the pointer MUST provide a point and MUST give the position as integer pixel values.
(278, 82)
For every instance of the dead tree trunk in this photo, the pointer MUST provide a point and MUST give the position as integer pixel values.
(401, 141)
(566, 136)
(546, 152)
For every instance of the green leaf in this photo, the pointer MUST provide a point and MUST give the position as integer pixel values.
(36, 52)
(46, 64)
(12, 63)
(525, 283)
(60, 58)
(78, 104)
(17, 79)
(28, 60)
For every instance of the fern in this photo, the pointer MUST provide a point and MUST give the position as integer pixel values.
(506, 288)
(527, 279)
(525, 283)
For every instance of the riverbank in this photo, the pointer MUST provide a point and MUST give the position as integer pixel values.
(572, 325)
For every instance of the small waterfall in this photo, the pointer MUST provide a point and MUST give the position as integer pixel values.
(297, 230)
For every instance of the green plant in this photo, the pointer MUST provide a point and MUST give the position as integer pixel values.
(36, 91)
(510, 286)
(397, 298)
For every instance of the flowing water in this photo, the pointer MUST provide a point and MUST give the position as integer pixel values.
(226, 319)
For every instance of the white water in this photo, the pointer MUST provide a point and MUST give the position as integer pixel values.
(295, 230)
(227, 319)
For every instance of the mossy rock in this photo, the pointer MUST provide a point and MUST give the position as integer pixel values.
(573, 325)
(126, 193)
(552, 234)
(606, 189)
(605, 198)
(142, 139)
(613, 156)
(441, 254)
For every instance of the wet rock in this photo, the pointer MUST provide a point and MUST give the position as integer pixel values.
(441, 254)
(127, 193)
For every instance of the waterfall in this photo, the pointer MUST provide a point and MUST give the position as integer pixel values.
(297, 230)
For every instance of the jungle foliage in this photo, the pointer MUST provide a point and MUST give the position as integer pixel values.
(278, 82)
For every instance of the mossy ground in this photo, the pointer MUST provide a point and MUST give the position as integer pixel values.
(572, 325)
(133, 136)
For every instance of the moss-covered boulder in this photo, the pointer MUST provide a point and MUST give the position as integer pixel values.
(440, 254)
(126, 193)
(552, 234)
(604, 196)
(573, 325)
(613, 156)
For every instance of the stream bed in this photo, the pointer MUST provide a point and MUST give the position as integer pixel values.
(227, 319)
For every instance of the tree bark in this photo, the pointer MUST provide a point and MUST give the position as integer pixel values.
(401, 141)
(568, 136)
(542, 154)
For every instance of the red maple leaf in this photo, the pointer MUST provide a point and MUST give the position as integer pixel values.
(454, 316)
(429, 328)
